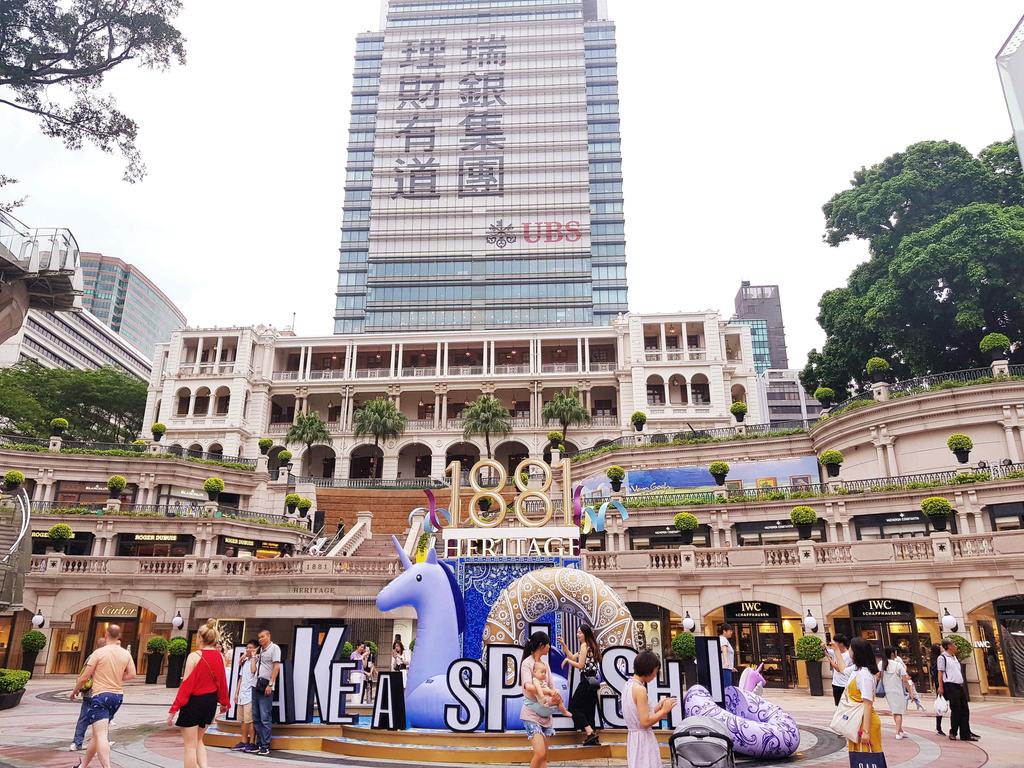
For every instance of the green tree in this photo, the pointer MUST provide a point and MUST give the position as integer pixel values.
(54, 56)
(103, 405)
(380, 418)
(308, 430)
(943, 230)
(566, 409)
(10, 205)
(486, 416)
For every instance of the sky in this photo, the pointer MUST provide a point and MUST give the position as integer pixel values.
(739, 121)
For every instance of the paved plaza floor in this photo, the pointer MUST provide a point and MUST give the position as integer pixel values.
(37, 733)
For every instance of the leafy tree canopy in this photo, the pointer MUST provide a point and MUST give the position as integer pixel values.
(103, 405)
(54, 55)
(486, 416)
(945, 231)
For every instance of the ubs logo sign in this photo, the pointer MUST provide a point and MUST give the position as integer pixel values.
(501, 234)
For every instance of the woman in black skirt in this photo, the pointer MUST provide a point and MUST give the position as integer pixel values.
(204, 687)
(583, 702)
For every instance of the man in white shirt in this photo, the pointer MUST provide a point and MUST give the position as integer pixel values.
(728, 655)
(951, 686)
(840, 660)
(243, 698)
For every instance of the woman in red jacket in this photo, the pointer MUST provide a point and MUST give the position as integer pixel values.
(204, 687)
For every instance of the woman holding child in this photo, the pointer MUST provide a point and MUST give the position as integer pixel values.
(540, 699)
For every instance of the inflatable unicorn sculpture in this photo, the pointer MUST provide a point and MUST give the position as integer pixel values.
(431, 590)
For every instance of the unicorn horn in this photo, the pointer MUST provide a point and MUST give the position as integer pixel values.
(402, 557)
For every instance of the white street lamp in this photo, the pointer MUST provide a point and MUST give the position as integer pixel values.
(38, 621)
(688, 623)
(177, 622)
(810, 623)
(949, 623)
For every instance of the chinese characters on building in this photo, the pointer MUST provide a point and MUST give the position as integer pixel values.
(481, 144)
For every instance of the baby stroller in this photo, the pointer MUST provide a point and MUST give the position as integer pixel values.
(701, 742)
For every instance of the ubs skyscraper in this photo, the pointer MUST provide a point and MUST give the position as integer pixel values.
(483, 185)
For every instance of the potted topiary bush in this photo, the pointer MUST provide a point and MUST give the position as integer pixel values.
(292, 501)
(878, 369)
(996, 344)
(831, 460)
(12, 687)
(638, 419)
(13, 480)
(739, 410)
(616, 475)
(57, 426)
(115, 485)
(284, 458)
(811, 651)
(718, 470)
(937, 510)
(684, 647)
(177, 650)
(964, 647)
(304, 506)
(961, 446)
(804, 518)
(214, 487)
(825, 395)
(32, 642)
(156, 647)
(158, 430)
(265, 445)
(686, 523)
(554, 440)
(60, 534)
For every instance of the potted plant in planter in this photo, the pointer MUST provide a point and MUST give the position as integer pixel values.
(284, 458)
(158, 430)
(825, 395)
(32, 642)
(686, 523)
(60, 534)
(804, 518)
(684, 647)
(937, 510)
(961, 446)
(214, 487)
(638, 419)
(878, 369)
(554, 440)
(304, 506)
(964, 647)
(57, 426)
(265, 445)
(13, 480)
(292, 501)
(996, 344)
(811, 650)
(831, 460)
(616, 475)
(12, 687)
(115, 485)
(177, 650)
(718, 470)
(156, 647)
(739, 410)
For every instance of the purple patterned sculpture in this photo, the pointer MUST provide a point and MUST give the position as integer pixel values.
(758, 727)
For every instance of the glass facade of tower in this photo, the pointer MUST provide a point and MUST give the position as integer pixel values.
(484, 178)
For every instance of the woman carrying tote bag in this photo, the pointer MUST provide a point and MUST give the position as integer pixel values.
(855, 718)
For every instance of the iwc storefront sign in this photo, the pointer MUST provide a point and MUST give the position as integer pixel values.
(882, 610)
(752, 610)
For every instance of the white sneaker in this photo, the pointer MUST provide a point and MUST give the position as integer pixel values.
(75, 748)
(900, 735)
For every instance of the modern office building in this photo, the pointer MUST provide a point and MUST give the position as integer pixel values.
(1010, 63)
(759, 341)
(128, 302)
(762, 302)
(72, 340)
(783, 397)
(483, 185)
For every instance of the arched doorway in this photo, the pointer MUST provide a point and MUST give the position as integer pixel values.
(319, 461)
(202, 403)
(763, 633)
(216, 451)
(366, 462)
(414, 461)
(222, 401)
(701, 389)
(510, 453)
(195, 451)
(655, 390)
(73, 644)
(273, 462)
(739, 393)
(182, 397)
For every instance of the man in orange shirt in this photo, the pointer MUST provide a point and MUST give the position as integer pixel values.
(109, 668)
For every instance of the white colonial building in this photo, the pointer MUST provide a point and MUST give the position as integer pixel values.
(219, 390)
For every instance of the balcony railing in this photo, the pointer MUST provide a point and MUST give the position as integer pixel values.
(559, 368)
(327, 373)
(420, 425)
(509, 370)
(189, 510)
(342, 482)
(465, 370)
(58, 565)
(430, 370)
(190, 370)
(373, 373)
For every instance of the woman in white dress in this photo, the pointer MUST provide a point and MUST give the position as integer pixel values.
(895, 680)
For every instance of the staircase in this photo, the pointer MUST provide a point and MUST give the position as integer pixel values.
(15, 550)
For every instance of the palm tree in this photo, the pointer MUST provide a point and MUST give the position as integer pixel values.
(566, 409)
(308, 429)
(381, 418)
(486, 416)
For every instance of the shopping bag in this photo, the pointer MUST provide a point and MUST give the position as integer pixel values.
(941, 706)
(867, 760)
(880, 688)
(848, 718)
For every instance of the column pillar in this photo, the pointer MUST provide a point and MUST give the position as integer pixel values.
(579, 354)
(483, 358)
(391, 361)
(220, 346)
(664, 345)
(351, 410)
(683, 341)
(883, 470)
(437, 409)
(586, 354)
(400, 361)
(352, 362)
(209, 405)
(192, 404)
(302, 362)
(309, 360)
(1011, 445)
(894, 466)
(444, 366)
(199, 355)
(444, 411)
(437, 363)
